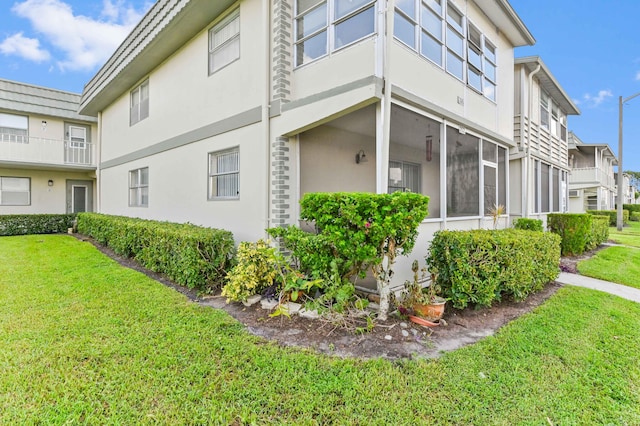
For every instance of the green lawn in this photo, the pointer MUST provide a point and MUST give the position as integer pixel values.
(630, 235)
(617, 264)
(83, 340)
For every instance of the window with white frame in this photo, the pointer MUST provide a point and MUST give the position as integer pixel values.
(224, 42)
(544, 109)
(139, 187)
(404, 176)
(15, 191)
(563, 126)
(322, 26)
(77, 137)
(224, 174)
(441, 33)
(14, 128)
(494, 163)
(550, 187)
(139, 104)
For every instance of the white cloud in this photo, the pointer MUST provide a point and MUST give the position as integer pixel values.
(27, 48)
(595, 100)
(638, 75)
(84, 42)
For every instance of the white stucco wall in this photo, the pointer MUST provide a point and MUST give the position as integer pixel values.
(178, 186)
(45, 198)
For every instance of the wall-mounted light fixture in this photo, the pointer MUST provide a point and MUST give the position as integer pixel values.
(361, 157)
(44, 125)
(50, 183)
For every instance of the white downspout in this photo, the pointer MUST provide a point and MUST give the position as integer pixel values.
(98, 148)
(527, 168)
(266, 107)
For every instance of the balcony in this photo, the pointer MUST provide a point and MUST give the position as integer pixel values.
(592, 175)
(47, 152)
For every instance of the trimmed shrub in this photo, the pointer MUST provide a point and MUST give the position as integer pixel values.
(635, 217)
(528, 224)
(599, 231)
(355, 230)
(256, 269)
(25, 224)
(632, 208)
(613, 216)
(574, 230)
(480, 266)
(190, 255)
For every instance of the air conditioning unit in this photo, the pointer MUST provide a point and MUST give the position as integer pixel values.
(573, 193)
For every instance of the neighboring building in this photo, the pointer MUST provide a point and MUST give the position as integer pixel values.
(629, 191)
(539, 165)
(592, 184)
(225, 113)
(47, 151)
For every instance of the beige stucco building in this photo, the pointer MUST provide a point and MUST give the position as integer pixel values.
(225, 113)
(48, 157)
(540, 163)
(592, 183)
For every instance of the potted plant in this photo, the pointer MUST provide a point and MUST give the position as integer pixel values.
(422, 302)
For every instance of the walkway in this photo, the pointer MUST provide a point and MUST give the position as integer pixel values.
(623, 291)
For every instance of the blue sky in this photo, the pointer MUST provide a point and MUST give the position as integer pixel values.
(591, 46)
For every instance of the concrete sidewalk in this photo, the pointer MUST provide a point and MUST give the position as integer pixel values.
(623, 291)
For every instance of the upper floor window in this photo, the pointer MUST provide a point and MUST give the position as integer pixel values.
(544, 110)
(224, 42)
(15, 191)
(77, 137)
(440, 32)
(322, 26)
(139, 103)
(14, 128)
(139, 187)
(224, 174)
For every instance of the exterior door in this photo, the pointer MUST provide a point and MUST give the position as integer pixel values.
(79, 196)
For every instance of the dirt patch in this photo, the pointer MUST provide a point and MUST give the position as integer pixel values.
(570, 263)
(395, 338)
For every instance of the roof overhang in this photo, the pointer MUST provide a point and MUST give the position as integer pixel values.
(505, 18)
(549, 83)
(166, 27)
(591, 147)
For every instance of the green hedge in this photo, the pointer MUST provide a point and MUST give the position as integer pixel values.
(190, 255)
(355, 230)
(613, 216)
(528, 224)
(635, 217)
(631, 207)
(599, 231)
(480, 266)
(574, 230)
(24, 224)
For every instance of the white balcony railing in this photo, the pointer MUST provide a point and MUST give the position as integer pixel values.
(46, 151)
(593, 175)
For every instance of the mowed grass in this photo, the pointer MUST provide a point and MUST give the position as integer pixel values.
(629, 236)
(617, 264)
(83, 340)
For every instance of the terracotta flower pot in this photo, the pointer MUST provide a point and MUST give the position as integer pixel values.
(432, 311)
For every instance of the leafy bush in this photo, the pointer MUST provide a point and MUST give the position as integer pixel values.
(26, 224)
(574, 230)
(599, 231)
(480, 266)
(528, 224)
(613, 215)
(635, 217)
(190, 255)
(632, 207)
(356, 231)
(256, 269)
